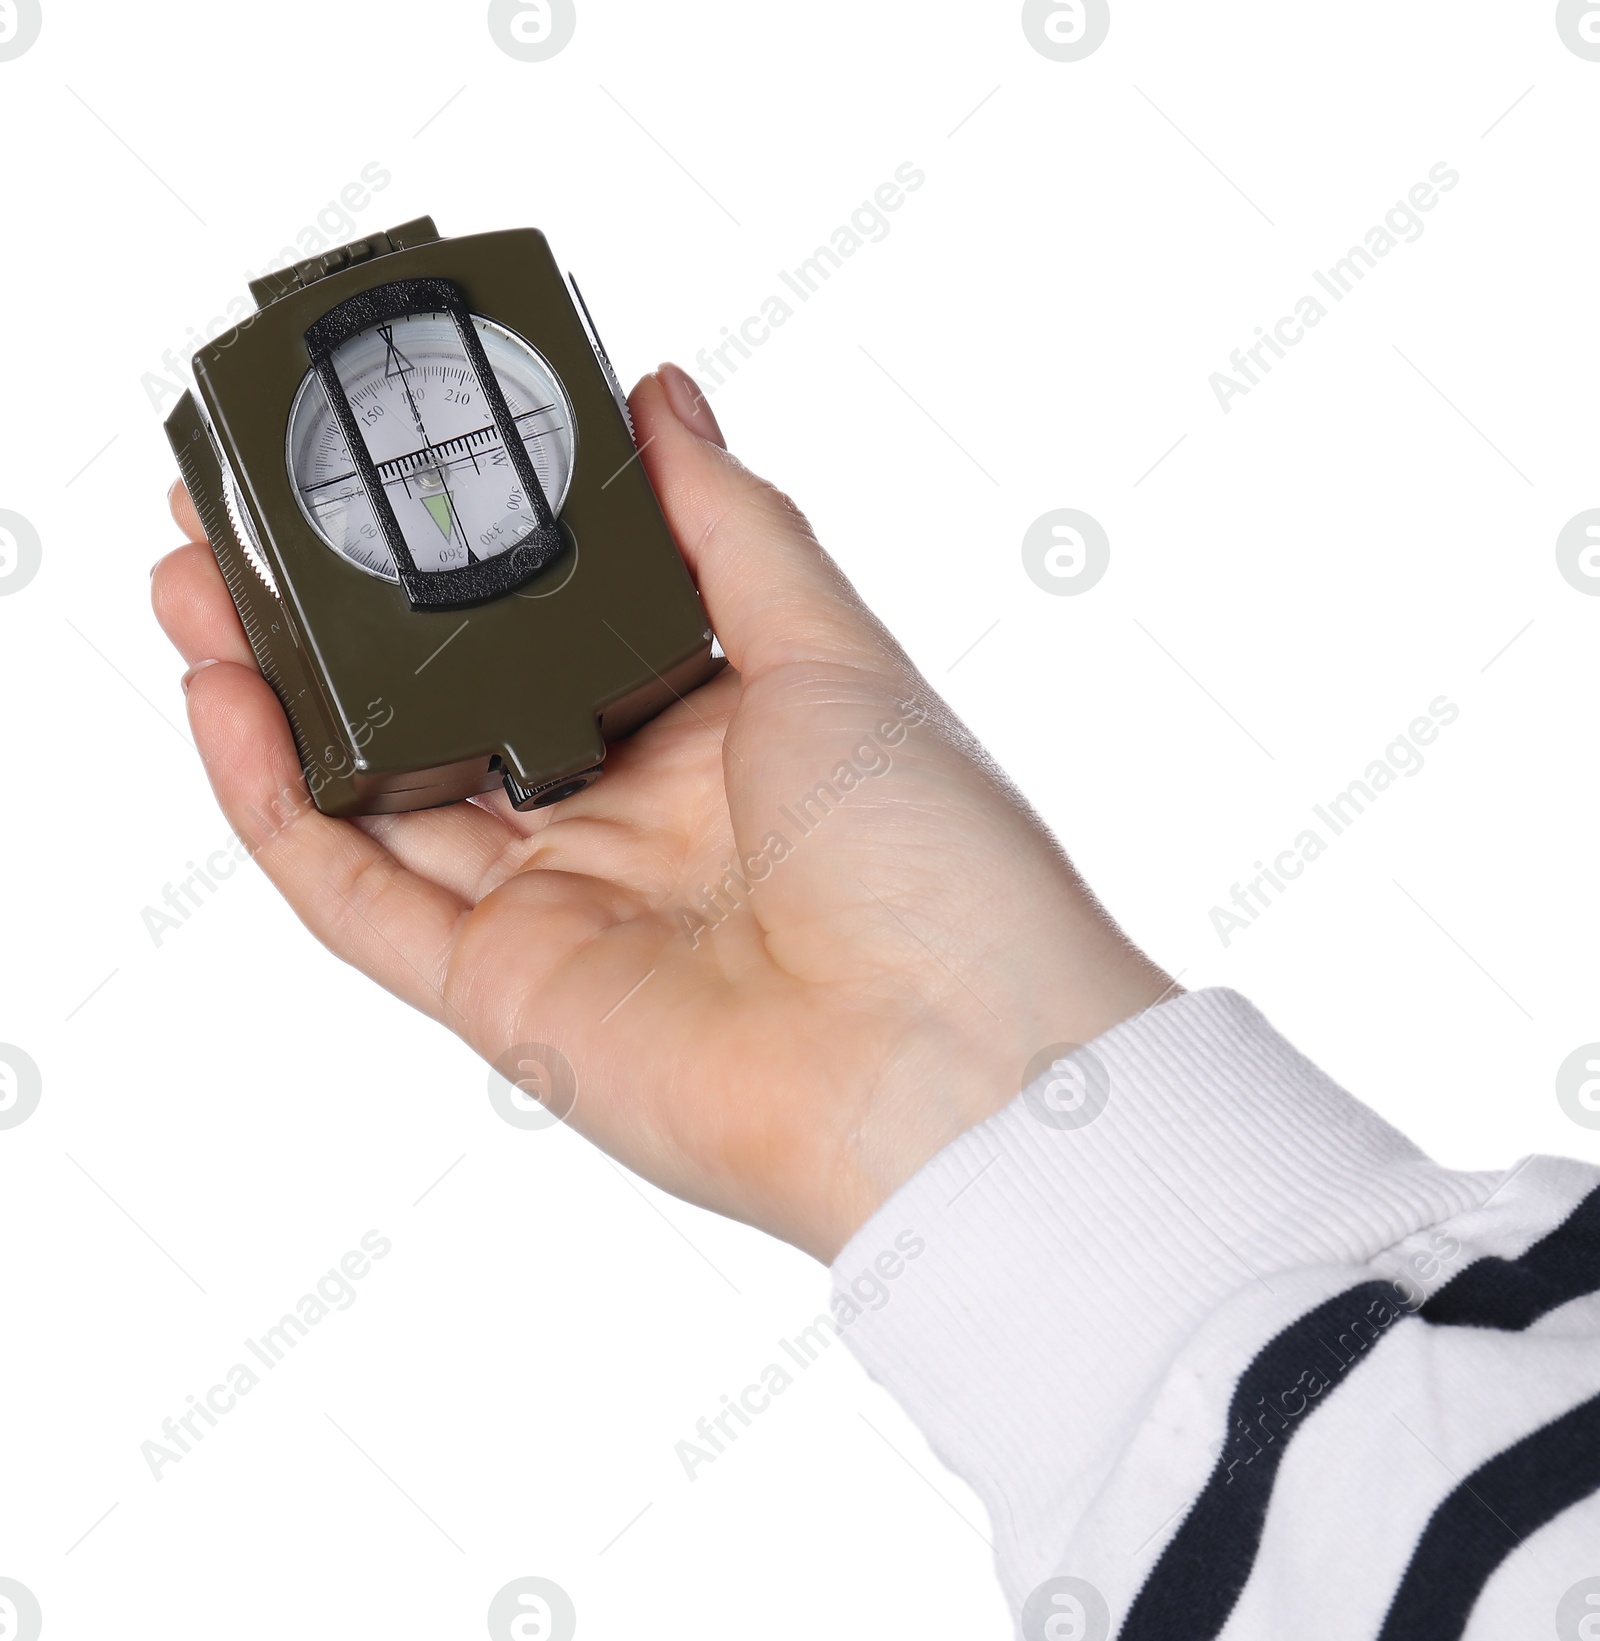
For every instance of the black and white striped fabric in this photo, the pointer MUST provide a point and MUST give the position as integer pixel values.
(1225, 1356)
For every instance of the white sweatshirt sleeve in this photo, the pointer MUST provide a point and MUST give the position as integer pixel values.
(1225, 1356)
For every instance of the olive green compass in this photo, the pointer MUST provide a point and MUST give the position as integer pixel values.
(417, 471)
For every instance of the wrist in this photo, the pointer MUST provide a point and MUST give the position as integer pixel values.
(955, 1070)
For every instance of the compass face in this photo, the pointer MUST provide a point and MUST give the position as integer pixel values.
(427, 426)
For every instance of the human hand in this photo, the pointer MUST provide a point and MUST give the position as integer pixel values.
(897, 937)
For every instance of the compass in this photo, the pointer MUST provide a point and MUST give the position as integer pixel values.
(417, 471)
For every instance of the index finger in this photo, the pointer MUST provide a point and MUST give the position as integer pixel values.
(184, 513)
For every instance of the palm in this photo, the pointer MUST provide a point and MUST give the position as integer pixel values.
(707, 944)
(774, 1003)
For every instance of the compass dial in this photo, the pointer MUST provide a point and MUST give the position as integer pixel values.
(427, 426)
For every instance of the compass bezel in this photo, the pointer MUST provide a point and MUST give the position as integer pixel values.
(469, 584)
(300, 426)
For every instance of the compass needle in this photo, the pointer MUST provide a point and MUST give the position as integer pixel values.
(439, 509)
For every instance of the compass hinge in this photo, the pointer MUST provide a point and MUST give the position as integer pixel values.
(268, 289)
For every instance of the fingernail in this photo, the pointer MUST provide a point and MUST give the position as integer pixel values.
(189, 676)
(689, 404)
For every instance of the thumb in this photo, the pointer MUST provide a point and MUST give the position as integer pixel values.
(773, 595)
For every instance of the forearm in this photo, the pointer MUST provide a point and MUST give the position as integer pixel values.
(1225, 1342)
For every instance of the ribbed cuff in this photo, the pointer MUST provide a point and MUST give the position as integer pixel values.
(1023, 1294)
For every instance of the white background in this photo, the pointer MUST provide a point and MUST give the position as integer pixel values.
(226, 1114)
